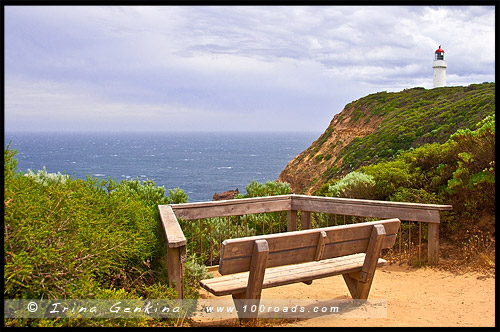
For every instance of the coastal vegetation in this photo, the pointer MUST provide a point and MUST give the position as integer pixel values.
(415, 117)
(460, 171)
(67, 238)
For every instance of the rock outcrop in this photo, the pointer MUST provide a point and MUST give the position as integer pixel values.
(225, 195)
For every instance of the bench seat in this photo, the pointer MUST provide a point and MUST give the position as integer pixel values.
(288, 274)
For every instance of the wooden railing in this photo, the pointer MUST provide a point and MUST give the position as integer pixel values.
(294, 205)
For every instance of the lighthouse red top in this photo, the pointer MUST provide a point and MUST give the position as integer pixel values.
(439, 50)
(439, 54)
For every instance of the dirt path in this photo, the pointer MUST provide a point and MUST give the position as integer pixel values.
(415, 297)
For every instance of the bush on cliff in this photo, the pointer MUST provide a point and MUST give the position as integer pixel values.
(460, 172)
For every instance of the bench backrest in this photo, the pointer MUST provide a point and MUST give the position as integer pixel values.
(305, 246)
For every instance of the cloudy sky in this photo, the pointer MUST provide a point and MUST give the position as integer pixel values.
(218, 68)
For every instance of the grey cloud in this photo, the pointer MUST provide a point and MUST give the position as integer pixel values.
(269, 61)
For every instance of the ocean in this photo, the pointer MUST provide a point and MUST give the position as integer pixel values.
(201, 164)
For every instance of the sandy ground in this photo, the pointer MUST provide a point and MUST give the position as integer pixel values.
(415, 297)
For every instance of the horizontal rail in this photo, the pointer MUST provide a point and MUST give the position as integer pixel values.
(370, 208)
(234, 207)
(346, 206)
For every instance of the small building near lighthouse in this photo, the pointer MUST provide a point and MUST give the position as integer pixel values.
(439, 65)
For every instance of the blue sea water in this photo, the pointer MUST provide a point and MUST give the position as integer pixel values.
(201, 164)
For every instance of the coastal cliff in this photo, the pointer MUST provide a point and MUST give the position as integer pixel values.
(381, 125)
(302, 171)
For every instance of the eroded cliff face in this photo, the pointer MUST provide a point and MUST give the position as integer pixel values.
(304, 172)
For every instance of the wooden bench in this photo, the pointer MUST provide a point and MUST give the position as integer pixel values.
(249, 264)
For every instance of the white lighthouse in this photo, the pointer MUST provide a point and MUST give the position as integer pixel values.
(439, 65)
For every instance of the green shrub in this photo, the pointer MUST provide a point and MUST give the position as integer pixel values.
(460, 172)
(354, 185)
(64, 239)
(270, 188)
(390, 176)
(45, 178)
(10, 163)
(193, 274)
(83, 239)
(415, 196)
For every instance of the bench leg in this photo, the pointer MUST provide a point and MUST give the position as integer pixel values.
(352, 285)
(359, 283)
(371, 259)
(239, 303)
(255, 281)
(247, 309)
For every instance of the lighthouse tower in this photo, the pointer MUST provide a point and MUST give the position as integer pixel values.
(439, 65)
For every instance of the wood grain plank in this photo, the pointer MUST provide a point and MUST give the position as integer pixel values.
(291, 240)
(370, 208)
(374, 203)
(299, 247)
(284, 275)
(301, 255)
(173, 232)
(234, 207)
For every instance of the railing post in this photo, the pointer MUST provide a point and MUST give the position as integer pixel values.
(305, 220)
(291, 222)
(176, 248)
(175, 268)
(433, 243)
